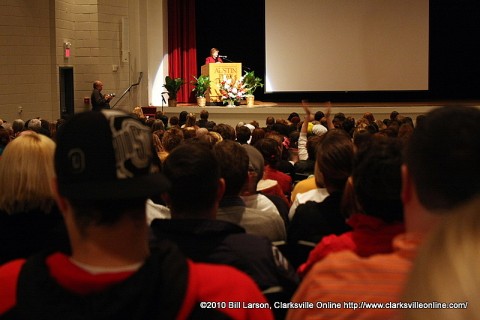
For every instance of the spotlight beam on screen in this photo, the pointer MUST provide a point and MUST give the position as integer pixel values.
(346, 45)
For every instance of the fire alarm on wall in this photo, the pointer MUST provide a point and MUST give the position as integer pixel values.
(66, 49)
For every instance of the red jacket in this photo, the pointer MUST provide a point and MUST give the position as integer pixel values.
(212, 60)
(370, 235)
(54, 285)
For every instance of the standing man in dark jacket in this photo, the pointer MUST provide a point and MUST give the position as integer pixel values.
(99, 100)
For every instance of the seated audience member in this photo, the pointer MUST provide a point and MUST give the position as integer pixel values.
(191, 121)
(376, 188)
(257, 134)
(446, 268)
(302, 187)
(18, 125)
(174, 122)
(250, 195)
(204, 122)
(4, 139)
(269, 122)
(170, 140)
(243, 134)
(312, 220)
(284, 164)
(29, 219)
(255, 198)
(233, 160)
(182, 118)
(194, 170)
(225, 130)
(270, 150)
(101, 187)
(317, 193)
(433, 182)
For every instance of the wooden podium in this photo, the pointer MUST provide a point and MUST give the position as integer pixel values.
(216, 71)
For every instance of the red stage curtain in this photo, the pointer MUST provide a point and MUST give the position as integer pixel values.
(182, 51)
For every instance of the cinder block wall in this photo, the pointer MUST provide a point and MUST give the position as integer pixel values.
(32, 37)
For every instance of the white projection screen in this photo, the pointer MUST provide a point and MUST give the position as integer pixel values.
(346, 45)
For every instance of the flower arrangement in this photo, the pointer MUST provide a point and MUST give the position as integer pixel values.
(232, 90)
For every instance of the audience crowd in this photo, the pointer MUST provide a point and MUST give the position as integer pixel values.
(100, 212)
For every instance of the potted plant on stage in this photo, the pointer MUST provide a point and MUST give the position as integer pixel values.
(201, 85)
(173, 85)
(251, 83)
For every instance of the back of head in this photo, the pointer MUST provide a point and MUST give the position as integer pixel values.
(256, 162)
(226, 131)
(319, 115)
(172, 138)
(157, 125)
(312, 144)
(35, 124)
(194, 173)
(446, 267)
(377, 178)
(18, 125)
(443, 157)
(204, 115)
(243, 134)
(105, 159)
(26, 171)
(269, 148)
(233, 160)
(334, 158)
(257, 134)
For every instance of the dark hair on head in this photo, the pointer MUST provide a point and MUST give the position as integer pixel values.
(444, 178)
(233, 160)
(334, 158)
(420, 119)
(257, 134)
(182, 118)
(157, 125)
(106, 212)
(226, 131)
(269, 121)
(243, 134)
(319, 115)
(269, 148)
(292, 115)
(189, 133)
(280, 128)
(312, 144)
(393, 115)
(193, 172)
(174, 121)
(172, 138)
(377, 178)
(204, 115)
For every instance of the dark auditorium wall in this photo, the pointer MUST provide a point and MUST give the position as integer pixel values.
(238, 29)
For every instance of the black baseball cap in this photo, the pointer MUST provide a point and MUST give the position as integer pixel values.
(106, 155)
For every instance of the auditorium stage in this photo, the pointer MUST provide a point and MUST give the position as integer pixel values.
(261, 110)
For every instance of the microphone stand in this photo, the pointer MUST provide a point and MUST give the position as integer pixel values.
(163, 100)
(128, 90)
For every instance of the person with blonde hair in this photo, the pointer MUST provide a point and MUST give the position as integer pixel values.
(446, 268)
(29, 218)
